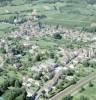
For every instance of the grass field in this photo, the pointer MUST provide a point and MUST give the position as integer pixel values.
(89, 92)
(5, 28)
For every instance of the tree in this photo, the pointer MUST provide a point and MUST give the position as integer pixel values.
(91, 84)
(82, 89)
(3, 50)
(22, 96)
(12, 81)
(38, 57)
(70, 72)
(86, 63)
(57, 36)
(52, 55)
(18, 83)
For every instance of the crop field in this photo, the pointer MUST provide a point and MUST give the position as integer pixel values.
(70, 14)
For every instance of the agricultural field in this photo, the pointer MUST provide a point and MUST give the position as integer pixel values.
(68, 13)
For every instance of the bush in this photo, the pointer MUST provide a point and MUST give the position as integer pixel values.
(68, 97)
(91, 84)
(39, 57)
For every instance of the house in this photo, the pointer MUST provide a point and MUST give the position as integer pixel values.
(71, 66)
(17, 65)
(34, 15)
(69, 78)
(27, 45)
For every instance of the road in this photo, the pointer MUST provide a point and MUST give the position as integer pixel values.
(68, 20)
(74, 88)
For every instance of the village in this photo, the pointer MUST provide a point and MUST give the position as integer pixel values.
(47, 49)
(44, 69)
